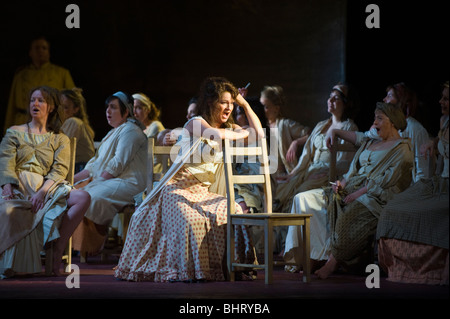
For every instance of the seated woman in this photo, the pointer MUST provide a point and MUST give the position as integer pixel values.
(345, 215)
(291, 134)
(412, 231)
(178, 233)
(37, 205)
(114, 175)
(146, 112)
(312, 170)
(76, 124)
(402, 96)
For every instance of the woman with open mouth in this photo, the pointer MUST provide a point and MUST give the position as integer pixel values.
(346, 214)
(178, 233)
(38, 207)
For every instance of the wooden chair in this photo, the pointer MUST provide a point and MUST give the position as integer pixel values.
(67, 256)
(268, 219)
(163, 153)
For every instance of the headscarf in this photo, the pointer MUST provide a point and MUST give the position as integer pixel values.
(130, 107)
(394, 113)
(124, 99)
(144, 99)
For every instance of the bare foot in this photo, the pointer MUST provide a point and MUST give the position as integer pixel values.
(57, 259)
(326, 270)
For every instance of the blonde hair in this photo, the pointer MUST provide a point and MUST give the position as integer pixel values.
(153, 112)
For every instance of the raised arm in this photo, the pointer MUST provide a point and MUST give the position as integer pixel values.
(349, 136)
(252, 118)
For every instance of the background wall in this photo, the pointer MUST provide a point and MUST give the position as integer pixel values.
(166, 48)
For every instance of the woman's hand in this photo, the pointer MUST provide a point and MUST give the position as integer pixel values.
(284, 178)
(338, 186)
(243, 92)
(291, 152)
(7, 192)
(353, 196)
(329, 138)
(37, 201)
(427, 149)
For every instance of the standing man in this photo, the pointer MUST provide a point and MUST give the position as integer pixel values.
(39, 72)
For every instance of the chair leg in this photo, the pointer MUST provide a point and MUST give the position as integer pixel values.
(268, 251)
(306, 252)
(68, 266)
(230, 251)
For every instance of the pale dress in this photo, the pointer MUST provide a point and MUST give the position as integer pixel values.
(384, 173)
(312, 170)
(23, 233)
(75, 127)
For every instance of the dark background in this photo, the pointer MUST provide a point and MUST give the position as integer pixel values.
(166, 48)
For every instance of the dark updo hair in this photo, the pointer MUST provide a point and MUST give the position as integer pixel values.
(122, 106)
(211, 90)
(56, 116)
(350, 99)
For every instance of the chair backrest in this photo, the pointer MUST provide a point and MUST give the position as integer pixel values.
(73, 149)
(259, 152)
(157, 169)
(338, 147)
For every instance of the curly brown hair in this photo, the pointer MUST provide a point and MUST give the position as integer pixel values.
(211, 90)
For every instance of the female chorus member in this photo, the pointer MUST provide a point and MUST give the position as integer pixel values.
(178, 233)
(148, 114)
(345, 215)
(76, 124)
(412, 231)
(115, 174)
(37, 205)
(313, 166)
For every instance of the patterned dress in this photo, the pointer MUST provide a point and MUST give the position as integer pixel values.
(179, 232)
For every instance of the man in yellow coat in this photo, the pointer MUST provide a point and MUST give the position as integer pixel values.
(39, 72)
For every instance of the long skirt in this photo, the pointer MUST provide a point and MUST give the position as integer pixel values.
(413, 233)
(180, 234)
(346, 233)
(23, 234)
(412, 262)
